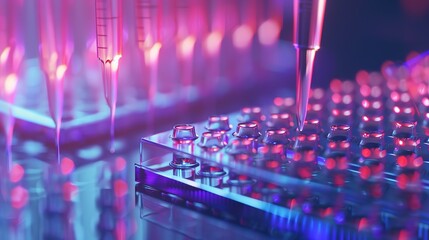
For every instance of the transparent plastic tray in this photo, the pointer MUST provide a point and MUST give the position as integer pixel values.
(268, 195)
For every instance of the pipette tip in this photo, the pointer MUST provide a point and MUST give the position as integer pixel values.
(304, 70)
(112, 147)
(112, 127)
(300, 120)
(57, 140)
(301, 111)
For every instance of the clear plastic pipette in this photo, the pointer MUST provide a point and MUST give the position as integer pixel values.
(11, 54)
(55, 52)
(186, 39)
(214, 12)
(109, 51)
(308, 23)
(148, 23)
(148, 27)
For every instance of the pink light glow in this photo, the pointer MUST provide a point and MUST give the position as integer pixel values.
(292, 203)
(289, 102)
(335, 85)
(347, 99)
(241, 157)
(402, 181)
(376, 105)
(415, 8)
(376, 191)
(10, 59)
(309, 156)
(16, 173)
(317, 107)
(10, 84)
(69, 191)
(4, 55)
(272, 164)
(362, 77)
(327, 212)
(396, 109)
(347, 87)
(120, 187)
(278, 101)
(408, 110)
(342, 163)
(60, 71)
(256, 195)
(418, 161)
(115, 63)
(268, 32)
(330, 163)
(304, 173)
(365, 172)
(121, 229)
(312, 137)
(336, 98)
(425, 101)
(415, 204)
(402, 161)
(213, 43)
(366, 152)
(422, 89)
(186, 47)
(378, 119)
(301, 138)
(67, 166)
(365, 90)
(297, 156)
(405, 97)
(339, 180)
(317, 93)
(375, 91)
(265, 149)
(363, 224)
(152, 53)
(394, 96)
(120, 164)
(242, 37)
(19, 197)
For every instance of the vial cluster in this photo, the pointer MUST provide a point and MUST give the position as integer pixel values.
(359, 122)
(364, 142)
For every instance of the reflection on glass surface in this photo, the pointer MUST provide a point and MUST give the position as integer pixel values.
(79, 198)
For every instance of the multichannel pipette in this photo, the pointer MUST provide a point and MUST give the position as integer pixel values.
(55, 52)
(109, 51)
(11, 54)
(308, 23)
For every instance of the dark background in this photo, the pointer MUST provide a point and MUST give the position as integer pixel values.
(362, 34)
